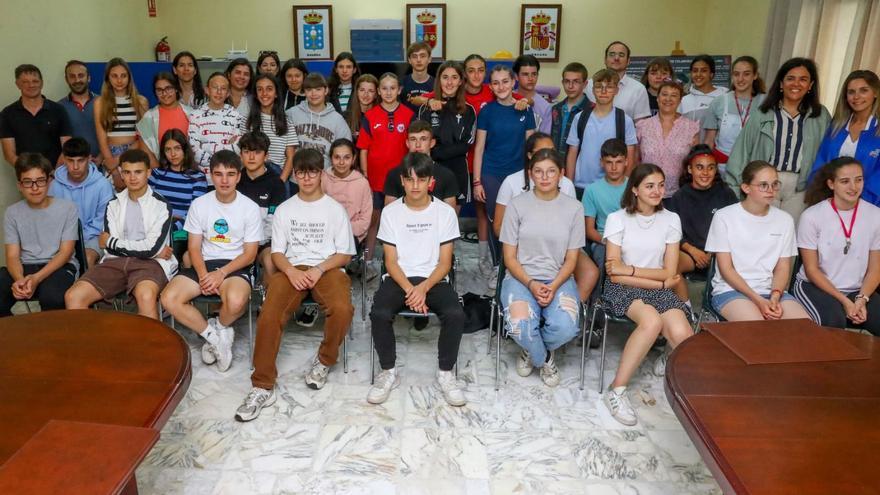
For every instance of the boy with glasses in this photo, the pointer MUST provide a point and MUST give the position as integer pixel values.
(41, 234)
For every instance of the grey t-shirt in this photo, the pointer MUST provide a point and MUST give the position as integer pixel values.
(543, 231)
(39, 232)
(134, 222)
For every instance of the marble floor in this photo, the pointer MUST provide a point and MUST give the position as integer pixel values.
(526, 438)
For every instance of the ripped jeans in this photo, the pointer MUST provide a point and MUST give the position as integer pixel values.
(560, 318)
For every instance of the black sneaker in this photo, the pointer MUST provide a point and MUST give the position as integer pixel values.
(308, 316)
(420, 322)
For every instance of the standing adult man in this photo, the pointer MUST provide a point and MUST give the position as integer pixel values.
(526, 68)
(632, 97)
(79, 104)
(33, 123)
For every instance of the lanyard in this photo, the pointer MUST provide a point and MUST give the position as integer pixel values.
(846, 232)
(743, 118)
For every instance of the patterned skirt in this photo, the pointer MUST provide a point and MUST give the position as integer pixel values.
(619, 297)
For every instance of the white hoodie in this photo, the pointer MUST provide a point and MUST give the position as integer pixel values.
(317, 130)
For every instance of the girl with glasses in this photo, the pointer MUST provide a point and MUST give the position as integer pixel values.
(169, 114)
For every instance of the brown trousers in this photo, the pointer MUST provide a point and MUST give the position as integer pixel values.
(332, 293)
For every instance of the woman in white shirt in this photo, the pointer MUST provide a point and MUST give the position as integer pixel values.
(839, 241)
(753, 243)
(641, 241)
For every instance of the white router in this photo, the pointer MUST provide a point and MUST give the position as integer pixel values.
(233, 54)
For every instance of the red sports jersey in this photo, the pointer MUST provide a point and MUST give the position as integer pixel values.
(383, 136)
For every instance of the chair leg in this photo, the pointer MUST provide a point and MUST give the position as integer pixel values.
(364, 287)
(586, 340)
(251, 334)
(345, 352)
(499, 324)
(372, 360)
(602, 360)
(492, 306)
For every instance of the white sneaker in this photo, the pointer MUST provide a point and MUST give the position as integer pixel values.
(224, 347)
(550, 373)
(209, 352)
(619, 406)
(308, 316)
(385, 382)
(256, 400)
(524, 364)
(451, 389)
(317, 376)
(660, 363)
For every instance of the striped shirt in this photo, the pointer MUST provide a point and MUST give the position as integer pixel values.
(124, 118)
(344, 96)
(179, 190)
(278, 144)
(787, 141)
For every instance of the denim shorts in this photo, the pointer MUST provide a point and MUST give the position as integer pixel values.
(722, 299)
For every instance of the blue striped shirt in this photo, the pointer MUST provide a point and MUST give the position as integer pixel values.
(179, 190)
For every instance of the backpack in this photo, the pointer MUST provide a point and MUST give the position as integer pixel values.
(477, 310)
(619, 123)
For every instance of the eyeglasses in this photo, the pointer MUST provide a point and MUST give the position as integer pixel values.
(39, 183)
(546, 174)
(165, 90)
(311, 174)
(767, 186)
(606, 88)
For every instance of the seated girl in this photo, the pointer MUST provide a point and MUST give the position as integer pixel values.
(344, 183)
(753, 243)
(839, 241)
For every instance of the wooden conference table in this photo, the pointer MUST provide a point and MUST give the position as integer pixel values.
(803, 417)
(83, 395)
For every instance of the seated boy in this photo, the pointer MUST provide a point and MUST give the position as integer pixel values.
(264, 187)
(224, 230)
(138, 259)
(601, 198)
(311, 243)
(444, 186)
(417, 234)
(79, 180)
(41, 234)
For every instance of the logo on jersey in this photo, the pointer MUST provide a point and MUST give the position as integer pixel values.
(401, 128)
(221, 227)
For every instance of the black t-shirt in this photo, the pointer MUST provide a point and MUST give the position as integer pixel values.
(695, 208)
(40, 133)
(445, 186)
(267, 190)
(410, 88)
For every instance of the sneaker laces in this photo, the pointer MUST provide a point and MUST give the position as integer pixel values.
(447, 381)
(319, 368)
(616, 401)
(253, 398)
(385, 379)
(550, 367)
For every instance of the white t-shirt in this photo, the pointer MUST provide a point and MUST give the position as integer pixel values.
(309, 232)
(695, 105)
(224, 227)
(632, 97)
(643, 239)
(819, 229)
(513, 186)
(755, 244)
(418, 235)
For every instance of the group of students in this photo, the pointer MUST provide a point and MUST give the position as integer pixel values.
(295, 174)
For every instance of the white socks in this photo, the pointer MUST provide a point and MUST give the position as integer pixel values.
(211, 335)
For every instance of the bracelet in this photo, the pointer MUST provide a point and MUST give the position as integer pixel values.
(775, 291)
(862, 296)
(633, 274)
(476, 183)
(220, 269)
(319, 269)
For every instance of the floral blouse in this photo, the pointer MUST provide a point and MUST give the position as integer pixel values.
(667, 152)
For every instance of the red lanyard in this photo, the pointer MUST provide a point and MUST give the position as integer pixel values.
(743, 118)
(846, 232)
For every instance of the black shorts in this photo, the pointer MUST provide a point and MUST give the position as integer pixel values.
(245, 273)
(378, 201)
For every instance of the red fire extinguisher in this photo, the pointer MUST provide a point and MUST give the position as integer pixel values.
(163, 50)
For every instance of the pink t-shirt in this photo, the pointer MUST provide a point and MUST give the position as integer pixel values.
(666, 152)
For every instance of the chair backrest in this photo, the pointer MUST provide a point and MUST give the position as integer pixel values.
(79, 250)
(795, 268)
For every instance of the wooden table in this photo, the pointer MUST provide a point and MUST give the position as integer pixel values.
(791, 428)
(87, 366)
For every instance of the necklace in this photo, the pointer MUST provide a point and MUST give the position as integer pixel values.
(847, 233)
(647, 223)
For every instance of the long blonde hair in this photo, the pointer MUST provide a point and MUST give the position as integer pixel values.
(842, 112)
(108, 96)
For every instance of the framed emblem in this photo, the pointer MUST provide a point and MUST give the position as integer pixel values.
(539, 28)
(313, 32)
(427, 22)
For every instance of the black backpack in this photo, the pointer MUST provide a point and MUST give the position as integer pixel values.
(619, 123)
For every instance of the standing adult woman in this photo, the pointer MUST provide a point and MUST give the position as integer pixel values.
(659, 69)
(345, 72)
(754, 242)
(641, 261)
(366, 97)
(729, 113)
(702, 92)
(117, 111)
(785, 132)
(666, 138)
(268, 63)
(701, 194)
(542, 235)
(854, 130)
(241, 77)
(293, 73)
(452, 125)
(216, 125)
(189, 79)
(500, 141)
(839, 241)
(267, 115)
(168, 114)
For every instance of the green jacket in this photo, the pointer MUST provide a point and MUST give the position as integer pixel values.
(756, 142)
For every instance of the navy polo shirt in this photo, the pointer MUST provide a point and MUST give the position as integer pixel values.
(40, 133)
(82, 120)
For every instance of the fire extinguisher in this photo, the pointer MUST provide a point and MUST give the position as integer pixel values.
(163, 50)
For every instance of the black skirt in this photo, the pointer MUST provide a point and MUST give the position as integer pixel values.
(618, 299)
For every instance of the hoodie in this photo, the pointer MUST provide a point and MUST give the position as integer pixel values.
(91, 197)
(352, 192)
(317, 130)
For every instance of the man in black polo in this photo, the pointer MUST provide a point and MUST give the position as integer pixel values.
(33, 123)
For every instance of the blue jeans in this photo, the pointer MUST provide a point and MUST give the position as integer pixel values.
(560, 318)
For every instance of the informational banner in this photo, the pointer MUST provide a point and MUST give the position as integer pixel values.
(682, 67)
